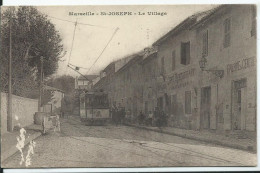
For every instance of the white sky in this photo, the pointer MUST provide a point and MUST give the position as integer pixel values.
(131, 37)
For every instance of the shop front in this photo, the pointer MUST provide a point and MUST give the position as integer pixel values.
(229, 103)
(182, 94)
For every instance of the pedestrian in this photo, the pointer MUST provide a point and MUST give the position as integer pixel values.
(116, 116)
(155, 116)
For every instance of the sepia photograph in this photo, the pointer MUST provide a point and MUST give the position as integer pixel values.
(128, 86)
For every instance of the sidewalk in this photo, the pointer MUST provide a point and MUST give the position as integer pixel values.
(9, 141)
(238, 140)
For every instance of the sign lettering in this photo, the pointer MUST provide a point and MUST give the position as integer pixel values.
(240, 65)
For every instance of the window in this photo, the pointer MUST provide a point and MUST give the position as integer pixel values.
(253, 30)
(173, 60)
(227, 24)
(162, 65)
(205, 44)
(188, 102)
(185, 53)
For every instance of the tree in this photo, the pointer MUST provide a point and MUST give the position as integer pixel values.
(64, 82)
(33, 36)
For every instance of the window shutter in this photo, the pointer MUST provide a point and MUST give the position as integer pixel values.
(183, 55)
(227, 37)
(205, 44)
(173, 60)
(187, 45)
(188, 102)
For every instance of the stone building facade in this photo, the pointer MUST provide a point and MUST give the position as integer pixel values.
(178, 65)
(227, 39)
(219, 95)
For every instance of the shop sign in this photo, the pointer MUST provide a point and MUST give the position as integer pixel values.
(180, 85)
(180, 80)
(240, 65)
(183, 75)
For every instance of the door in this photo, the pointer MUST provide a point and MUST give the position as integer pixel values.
(146, 108)
(239, 105)
(205, 107)
(243, 108)
(160, 103)
(174, 110)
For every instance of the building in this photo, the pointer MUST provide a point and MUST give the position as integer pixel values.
(85, 82)
(121, 79)
(149, 80)
(220, 94)
(128, 86)
(55, 102)
(202, 73)
(178, 66)
(226, 38)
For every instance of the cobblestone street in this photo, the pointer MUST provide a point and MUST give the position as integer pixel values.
(122, 146)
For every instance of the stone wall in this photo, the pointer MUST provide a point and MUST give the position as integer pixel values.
(23, 110)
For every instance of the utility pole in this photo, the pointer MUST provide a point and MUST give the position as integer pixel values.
(9, 117)
(40, 90)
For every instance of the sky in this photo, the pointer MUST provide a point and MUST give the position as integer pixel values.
(135, 32)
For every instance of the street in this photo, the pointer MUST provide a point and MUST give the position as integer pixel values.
(78, 145)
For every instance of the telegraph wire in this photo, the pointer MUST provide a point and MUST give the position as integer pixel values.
(79, 22)
(104, 48)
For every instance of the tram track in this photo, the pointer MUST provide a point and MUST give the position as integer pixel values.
(118, 136)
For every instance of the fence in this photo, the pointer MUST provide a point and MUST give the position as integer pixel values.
(23, 110)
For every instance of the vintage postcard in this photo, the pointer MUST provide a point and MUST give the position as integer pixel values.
(128, 86)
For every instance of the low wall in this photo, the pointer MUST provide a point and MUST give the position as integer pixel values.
(23, 110)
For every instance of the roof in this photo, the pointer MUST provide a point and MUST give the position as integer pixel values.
(90, 77)
(185, 24)
(46, 87)
(135, 58)
(109, 66)
(209, 15)
(151, 56)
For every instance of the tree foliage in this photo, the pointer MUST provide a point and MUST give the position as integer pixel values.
(33, 36)
(64, 82)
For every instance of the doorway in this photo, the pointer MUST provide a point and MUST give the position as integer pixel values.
(205, 107)
(239, 105)
(174, 108)
(160, 103)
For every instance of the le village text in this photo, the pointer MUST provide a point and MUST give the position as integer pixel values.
(114, 13)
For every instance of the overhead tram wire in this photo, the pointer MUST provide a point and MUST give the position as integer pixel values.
(72, 43)
(104, 49)
(75, 30)
(78, 66)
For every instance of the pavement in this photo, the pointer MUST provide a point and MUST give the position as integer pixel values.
(242, 140)
(78, 145)
(9, 141)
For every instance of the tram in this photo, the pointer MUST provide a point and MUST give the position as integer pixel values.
(94, 108)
